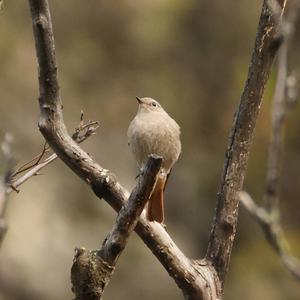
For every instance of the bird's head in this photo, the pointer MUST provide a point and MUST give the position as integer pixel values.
(147, 104)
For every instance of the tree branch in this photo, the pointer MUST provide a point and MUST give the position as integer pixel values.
(269, 216)
(89, 281)
(224, 226)
(196, 279)
(81, 133)
(280, 108)
(273, 231)
(6, 161)
(130, 212)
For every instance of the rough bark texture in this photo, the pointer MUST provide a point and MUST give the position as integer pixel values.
(102, 181)
(89, 275)
(91, 271)
(268, 216)
(198, 279)
(224, 226)
(128, 216)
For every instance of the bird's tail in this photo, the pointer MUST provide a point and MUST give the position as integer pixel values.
(155, 208)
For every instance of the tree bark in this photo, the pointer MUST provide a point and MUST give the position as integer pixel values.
(223, 231)
(198, 279)
(91, 272)
(268, 216)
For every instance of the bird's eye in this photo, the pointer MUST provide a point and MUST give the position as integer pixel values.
(154, 104)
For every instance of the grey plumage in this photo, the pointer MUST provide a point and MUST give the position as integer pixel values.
(153, 131)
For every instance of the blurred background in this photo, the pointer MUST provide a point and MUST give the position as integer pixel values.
(193, 57)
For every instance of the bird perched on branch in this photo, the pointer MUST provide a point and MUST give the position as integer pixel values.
(153, 131)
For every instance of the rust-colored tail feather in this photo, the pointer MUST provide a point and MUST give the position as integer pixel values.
(155, 208)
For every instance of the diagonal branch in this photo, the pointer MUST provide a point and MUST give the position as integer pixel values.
(32, 163)
(224, 226)
(189, 275)
(273, 233)
(130, 212)
(84, 272)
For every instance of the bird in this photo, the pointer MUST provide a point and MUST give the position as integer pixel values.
(153, 131)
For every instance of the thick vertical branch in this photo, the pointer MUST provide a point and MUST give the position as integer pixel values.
(51, 122)
(224, 226)
(269, 215)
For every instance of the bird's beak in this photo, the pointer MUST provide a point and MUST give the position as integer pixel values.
(139, 100)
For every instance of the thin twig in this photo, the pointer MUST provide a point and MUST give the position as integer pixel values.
(13, 187)
(273, 232)
(6, 161)
(278, 114)
(81, 133)
(32, 163)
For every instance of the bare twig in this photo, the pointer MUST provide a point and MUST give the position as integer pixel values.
(292, 91)
(81, 133)
(279, 111)
(273, 231)
(6, 161)
(269, 215)
(83, 272)
(277, 7)
(32, 163)
(13, 186)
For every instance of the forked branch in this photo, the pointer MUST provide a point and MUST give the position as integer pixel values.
(91, 271)
(198, 279)
(190, 276)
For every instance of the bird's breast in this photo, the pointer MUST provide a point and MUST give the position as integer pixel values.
(155, 135)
